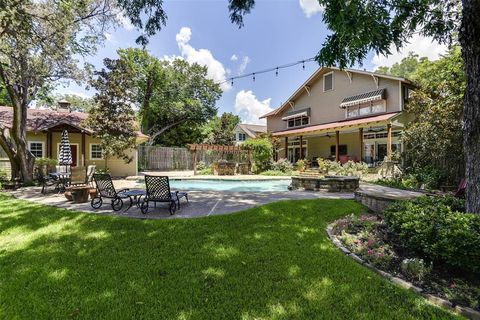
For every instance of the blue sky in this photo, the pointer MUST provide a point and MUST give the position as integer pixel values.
(275, 33)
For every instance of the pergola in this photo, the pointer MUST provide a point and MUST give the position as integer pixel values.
(213, 147)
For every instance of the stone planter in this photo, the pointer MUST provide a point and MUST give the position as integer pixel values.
(224, 168)
(327, 183)
(80, 194)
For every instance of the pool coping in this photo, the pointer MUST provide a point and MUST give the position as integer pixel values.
(221, 178)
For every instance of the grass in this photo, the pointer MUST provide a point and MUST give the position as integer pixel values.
(271, 262)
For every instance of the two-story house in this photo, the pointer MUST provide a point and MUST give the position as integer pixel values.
(244, 131)
(342, 115)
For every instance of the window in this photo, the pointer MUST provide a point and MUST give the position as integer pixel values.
(95, 151)
(36, 148)
(328, 82)
(298, 121)
(341, 148)
(366, 109)
(242, 137)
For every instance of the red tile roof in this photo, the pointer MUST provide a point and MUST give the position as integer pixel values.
(337, 124)
(44, 119)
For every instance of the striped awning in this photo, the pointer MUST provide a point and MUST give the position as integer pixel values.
(363, 97)
(297, 113)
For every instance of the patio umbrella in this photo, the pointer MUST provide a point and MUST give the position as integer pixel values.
(65, 155)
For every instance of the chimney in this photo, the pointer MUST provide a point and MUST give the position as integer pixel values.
(64, 106)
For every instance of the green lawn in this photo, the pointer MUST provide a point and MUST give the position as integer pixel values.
(272, 262)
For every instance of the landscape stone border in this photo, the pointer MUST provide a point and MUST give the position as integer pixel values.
(464, 311)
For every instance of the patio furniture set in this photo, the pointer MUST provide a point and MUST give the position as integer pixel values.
(157, 190)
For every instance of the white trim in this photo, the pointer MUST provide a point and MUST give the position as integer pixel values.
(296, 115)
(90, 151)
(400, 93)
(36, 141)
(333, 81)
(72, 144)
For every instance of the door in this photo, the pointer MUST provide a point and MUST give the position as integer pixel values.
(73, 147)
(381, 151)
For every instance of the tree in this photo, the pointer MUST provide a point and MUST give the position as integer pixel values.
(170, 94)
(113, 119)
(221, 130)
(4, 98)
(38, 43)
(359, 27)
(433, 138)
(262, 152)
(405, 68)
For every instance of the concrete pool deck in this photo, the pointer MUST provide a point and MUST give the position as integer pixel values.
(201, 204)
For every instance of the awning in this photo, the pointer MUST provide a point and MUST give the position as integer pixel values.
(333, 126)
(297, 113)
(363, 97)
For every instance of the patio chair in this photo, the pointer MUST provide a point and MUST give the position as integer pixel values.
(48, 181)
(78, 176)
(158, 190)
(105, 189)
(460, 193)
(90, 172)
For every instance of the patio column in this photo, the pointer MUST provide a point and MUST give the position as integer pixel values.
(286, 147)
(337, 145)
(389, 141)
(301, 147)
(83, 149)
(360, 136)
(49, 144)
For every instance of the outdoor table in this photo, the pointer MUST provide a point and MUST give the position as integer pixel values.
(135, 195)
(63, 177)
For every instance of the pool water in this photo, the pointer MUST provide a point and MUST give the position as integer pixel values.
(230, 185)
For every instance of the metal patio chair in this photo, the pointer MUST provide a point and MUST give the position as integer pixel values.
(158, 190)
(105, 189)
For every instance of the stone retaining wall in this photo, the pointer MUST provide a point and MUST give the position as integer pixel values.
(328, 183)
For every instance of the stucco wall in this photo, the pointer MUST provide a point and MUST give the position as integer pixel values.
(325, 105)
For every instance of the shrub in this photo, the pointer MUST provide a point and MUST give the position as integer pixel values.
(430, 177)
(415, 268)
(300, 165)
(436, 229)
(201, 166)
(282, 165)
(276, 173)
(351, 168)
(262, 152)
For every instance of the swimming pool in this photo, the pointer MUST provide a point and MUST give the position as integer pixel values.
(230, 185)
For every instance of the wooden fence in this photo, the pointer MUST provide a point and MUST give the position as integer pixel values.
(166, 158)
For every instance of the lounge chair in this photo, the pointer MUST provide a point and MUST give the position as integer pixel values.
(158, 190)
(105, 189)
(460, 193)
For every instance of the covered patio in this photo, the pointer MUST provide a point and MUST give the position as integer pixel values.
(363, 139)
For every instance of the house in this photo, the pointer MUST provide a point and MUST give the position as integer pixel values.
(342, 115)
(44, 129)
(244, 131)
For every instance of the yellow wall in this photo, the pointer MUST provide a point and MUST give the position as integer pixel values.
(117, 166)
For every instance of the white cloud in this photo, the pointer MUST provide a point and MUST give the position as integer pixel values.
(124, 21)
(204, 57)
(245, 61)
(310, 7)
(423, 46)
(109, 37)
(234, 57)
(250, 108)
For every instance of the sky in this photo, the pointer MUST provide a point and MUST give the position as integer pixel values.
(276, 32)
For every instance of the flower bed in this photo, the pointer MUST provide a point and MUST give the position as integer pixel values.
(370, 241)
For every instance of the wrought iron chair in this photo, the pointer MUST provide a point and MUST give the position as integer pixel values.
(158, 190)
(105, 189)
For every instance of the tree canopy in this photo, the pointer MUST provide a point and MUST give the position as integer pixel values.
(221, 129)
(112, 119)
(405, 68)
(170, 93)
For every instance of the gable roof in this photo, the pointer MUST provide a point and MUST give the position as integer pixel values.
(252, 129)
(317, 74)
(43, 119)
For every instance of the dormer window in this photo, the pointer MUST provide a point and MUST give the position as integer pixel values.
(328, 82)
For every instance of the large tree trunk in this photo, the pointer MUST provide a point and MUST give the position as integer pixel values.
(24, 157)
(469, 39)
(8, 145)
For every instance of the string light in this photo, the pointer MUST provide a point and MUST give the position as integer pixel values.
(276, 69)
